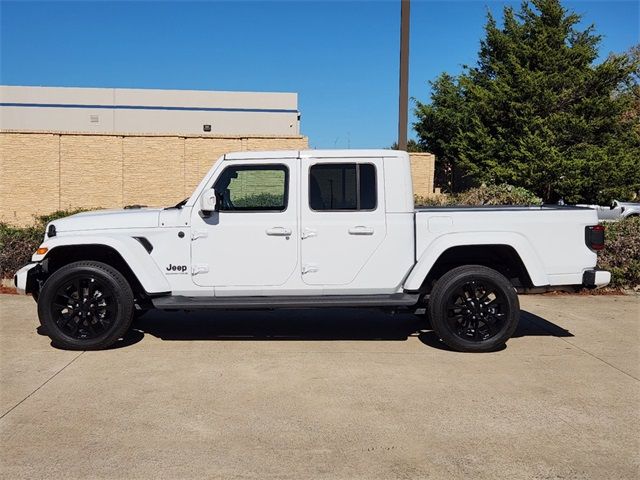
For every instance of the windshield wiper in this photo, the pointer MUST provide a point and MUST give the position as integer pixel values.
(179, 204)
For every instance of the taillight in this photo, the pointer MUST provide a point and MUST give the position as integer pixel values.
(594, 237)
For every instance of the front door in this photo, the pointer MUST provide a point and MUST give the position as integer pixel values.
(342, 218)
(252, 240)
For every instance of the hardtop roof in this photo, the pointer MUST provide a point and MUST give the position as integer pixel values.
(351, 153)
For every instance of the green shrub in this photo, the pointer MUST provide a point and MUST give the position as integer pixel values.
(621, 254)
(435, 201)
(17, 244)
(502, 194)
(16, 247)
(260, 200)
(42, 220)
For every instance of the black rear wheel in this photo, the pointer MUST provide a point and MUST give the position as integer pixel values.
(474, 309)
(85, 306)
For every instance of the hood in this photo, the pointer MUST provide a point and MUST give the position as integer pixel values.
(109, 219)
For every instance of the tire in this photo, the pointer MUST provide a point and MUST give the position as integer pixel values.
(85, 306)
(474, 309)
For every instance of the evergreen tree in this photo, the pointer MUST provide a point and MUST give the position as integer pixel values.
(412, 146)
(538, 112)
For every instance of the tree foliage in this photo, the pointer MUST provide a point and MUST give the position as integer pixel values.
(538, 111)
(412, 146)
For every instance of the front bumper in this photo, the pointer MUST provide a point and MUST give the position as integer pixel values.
(596, 278)
(25, 279)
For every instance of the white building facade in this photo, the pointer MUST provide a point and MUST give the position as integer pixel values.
(148, 111)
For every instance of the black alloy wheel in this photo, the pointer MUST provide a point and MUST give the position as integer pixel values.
(474, 309)
(85, 306)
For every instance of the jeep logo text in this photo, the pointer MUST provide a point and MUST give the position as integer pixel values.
(177, 268)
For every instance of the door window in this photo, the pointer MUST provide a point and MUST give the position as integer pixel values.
(342, 186)
(243, 188)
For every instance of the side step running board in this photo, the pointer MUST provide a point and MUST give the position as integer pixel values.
(194, 303)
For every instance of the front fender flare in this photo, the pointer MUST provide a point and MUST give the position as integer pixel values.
(132, 252)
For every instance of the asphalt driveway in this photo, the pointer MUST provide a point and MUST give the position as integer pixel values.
(326, 394)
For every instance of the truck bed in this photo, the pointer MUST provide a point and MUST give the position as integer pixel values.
(549, 239)
(484, 208)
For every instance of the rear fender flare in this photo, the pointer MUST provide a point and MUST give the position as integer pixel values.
(437, 247)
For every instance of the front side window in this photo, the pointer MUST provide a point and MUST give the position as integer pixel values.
(243, 188)
(342, 186)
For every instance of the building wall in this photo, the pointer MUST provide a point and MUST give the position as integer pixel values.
(148, 111)
(44, 172)
(422, 173)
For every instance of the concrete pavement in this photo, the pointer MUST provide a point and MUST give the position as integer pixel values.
(326, 394)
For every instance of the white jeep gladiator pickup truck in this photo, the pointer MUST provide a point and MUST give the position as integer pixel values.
(300, 229)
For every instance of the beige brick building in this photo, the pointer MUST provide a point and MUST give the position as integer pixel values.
(44, 172)
(82, 163)
(423, 173)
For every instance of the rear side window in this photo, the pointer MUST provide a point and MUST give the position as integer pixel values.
(342, 186)
(243, 188)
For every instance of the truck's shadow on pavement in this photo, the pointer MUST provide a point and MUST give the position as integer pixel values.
(305, 325)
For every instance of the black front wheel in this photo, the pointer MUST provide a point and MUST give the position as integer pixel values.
(85, 306)
(474, 309)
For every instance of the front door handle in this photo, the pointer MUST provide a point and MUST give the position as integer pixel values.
(279, 231)
(361, 230)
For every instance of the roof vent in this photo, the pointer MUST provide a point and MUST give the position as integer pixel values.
(94, 118)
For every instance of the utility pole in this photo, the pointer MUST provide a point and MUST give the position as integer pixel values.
(403, 114)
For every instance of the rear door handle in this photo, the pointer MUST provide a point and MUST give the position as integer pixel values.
(279, 231)
(361, 230)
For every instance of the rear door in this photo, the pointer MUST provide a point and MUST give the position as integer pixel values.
(342, 218)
